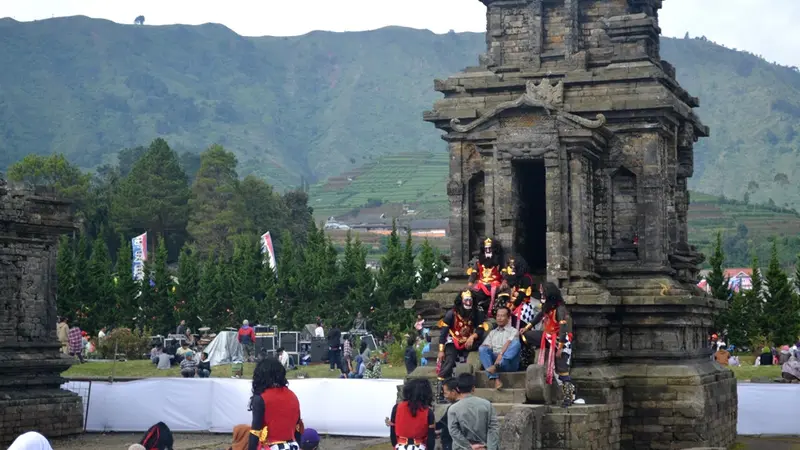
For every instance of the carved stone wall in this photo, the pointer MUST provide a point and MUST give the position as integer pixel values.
(30, 361)
(579, 86)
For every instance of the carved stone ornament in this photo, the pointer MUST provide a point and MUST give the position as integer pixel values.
(537, 95)
(455, 189)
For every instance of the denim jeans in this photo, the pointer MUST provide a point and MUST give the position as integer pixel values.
(509, 363)
(204, 373)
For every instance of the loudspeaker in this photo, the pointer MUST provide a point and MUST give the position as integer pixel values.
(319, 350)
(290, 341)
(265, 344)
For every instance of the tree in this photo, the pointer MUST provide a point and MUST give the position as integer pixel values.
(101, 288)
(66, 298)
(429, 268)
(797, 274)
(160, 308)
(214, 216)
(206, 307)
(188, 287)
(289, 263)
(139, 20)
(269, 305)
(126, 288)
(716, 279)
(393, 284)
(300, 214)
(154, 196)
(780, 309)
(54, 172)
(82, 290)
(246, 272)
(262, 209)
(357, 280)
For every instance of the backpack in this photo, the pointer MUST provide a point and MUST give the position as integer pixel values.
(158, 437)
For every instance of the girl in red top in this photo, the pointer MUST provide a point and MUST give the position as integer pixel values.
(276, 410)
(412, 425)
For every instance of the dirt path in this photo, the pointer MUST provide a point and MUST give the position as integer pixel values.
(193, 441)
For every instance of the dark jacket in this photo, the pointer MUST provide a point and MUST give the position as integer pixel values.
(334, 338)
(410, 359)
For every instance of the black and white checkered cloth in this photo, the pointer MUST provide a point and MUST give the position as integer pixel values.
(285, 446)
(409, 447)
(528, 313)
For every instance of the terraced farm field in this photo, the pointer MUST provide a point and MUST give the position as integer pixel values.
(416, 179)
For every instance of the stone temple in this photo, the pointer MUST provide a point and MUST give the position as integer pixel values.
(30, 361)
(571, 143)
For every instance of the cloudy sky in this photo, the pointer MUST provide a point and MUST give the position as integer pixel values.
(764, 27)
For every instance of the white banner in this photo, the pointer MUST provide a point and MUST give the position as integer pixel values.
(139, 246)
(269, 250)
(218, 404)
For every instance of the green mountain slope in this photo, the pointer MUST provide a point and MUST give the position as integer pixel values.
(746, 228)
(321, 104)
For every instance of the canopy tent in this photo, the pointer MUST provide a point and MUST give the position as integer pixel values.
(224, 349)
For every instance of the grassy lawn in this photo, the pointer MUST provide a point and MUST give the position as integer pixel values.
(146, 369)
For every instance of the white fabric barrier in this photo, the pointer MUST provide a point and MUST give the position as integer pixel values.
(770, 409)
(335, 406)
(330, 406)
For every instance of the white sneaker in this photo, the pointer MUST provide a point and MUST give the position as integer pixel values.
(579, 401)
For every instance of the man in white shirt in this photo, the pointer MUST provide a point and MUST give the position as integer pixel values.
(102, 333)
(284, 358)
(319, 331)
(500, 350)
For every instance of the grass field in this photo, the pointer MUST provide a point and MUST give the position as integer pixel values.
(146, 369)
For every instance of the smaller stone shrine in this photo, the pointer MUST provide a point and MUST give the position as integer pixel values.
(31, 398)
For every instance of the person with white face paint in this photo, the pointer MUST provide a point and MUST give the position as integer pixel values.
(462, 330)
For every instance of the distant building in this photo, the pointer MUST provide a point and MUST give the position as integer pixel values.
(739, 279)
(436, 228)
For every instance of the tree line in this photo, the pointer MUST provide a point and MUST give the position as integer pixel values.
(768, 314)
(205, 264)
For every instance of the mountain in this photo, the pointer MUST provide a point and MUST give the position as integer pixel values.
(318, 105)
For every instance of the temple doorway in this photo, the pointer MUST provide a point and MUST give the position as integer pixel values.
(530, 235)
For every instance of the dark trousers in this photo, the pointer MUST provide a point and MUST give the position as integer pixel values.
(335, 358)
(451, 354)
(533, 339)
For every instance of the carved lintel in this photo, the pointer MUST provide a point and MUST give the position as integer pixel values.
(539, 94)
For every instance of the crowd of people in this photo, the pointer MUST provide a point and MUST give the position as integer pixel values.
(788, 358)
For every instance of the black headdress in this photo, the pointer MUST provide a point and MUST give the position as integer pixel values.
(552, 296)
(497, 257)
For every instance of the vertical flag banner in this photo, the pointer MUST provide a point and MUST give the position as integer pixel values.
(139, 244)
(268, 250)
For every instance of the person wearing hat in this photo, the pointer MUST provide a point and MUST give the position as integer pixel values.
(309, 440)
(188, 365)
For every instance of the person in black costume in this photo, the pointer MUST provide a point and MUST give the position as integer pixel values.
(462, 331)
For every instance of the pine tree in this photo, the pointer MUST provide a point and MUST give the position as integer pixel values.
(224, 282)
(797, 274)
(147, 314)
(66, 299)
(357, 280)
(188, 288)
(161, 305)
(269, 305)
(409, 268)
(206, 306)
(716, 279)
(738, 319)
(246, 271)
(754, 306)
(126, 288)
(101, 288)
(429, 267)
(82, 289)
(779, 311)
(394, 285)
(289, 264)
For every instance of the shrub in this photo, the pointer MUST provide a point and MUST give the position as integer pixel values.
(133, 344)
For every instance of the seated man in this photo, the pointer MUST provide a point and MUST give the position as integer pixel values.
(500, 350)
(204, 366)
(188, 365)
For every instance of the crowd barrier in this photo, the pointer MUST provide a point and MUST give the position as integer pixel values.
(332, 406)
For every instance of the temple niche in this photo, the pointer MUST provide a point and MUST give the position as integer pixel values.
(571, 143)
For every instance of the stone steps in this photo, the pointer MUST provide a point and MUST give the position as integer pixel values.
(511, 380)
(505, 395)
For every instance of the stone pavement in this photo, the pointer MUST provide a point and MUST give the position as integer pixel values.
(194, 441)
